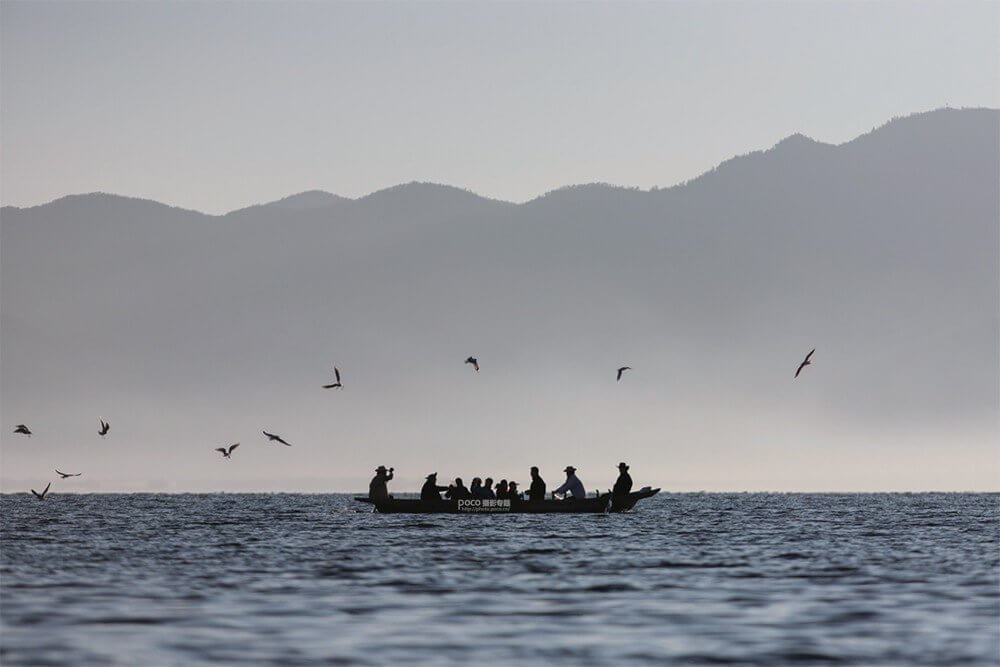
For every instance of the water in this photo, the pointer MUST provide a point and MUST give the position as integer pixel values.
(764, 579)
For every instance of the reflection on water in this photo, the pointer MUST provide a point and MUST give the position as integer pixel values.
(698, 578)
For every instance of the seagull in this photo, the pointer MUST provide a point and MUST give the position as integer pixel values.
(275, 438)
(474, 362)
(622, 370)
(805, 362)
(335, 385)
(64, 475)
(105, 427)
(22, 429)
(225, 454)
(41, 496)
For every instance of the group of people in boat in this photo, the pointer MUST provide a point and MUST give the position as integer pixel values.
(572, 488)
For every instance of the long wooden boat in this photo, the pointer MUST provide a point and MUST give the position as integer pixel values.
(596, 505)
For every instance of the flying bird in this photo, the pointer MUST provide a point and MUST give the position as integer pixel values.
(805, 362)
(105, 427)
(64, 475)
(22, 429)
(225, 453)
(474, 362)
(275, 438)
(41, 496)
(335, 385)
(622, 370)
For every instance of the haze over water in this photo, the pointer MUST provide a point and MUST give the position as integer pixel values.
(766, 579)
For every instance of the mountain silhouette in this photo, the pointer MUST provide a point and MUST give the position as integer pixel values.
(880, 252)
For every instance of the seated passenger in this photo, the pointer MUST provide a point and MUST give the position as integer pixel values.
(572, 485)
(431, 490)
(457, 491)
(502, 490)
(377, 489)
(512, 493)
(476, 488)
(624, 484)
(488, 488)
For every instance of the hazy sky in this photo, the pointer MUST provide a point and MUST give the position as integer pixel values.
(215, 106)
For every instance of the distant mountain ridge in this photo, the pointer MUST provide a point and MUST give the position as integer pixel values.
(187, 329)
(417, 193)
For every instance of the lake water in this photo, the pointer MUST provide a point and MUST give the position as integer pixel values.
(767, 579)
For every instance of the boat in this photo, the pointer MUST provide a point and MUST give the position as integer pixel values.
(597, 505)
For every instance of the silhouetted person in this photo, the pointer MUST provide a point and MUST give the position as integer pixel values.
(431, 490)
(377, 490)
(572, 485)
(502, 490)
(536, 492)
(512, 493)
(457, 491)
(623, 486)
(488, 489)
(476, 488)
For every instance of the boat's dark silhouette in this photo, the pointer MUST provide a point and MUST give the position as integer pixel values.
(596, 505)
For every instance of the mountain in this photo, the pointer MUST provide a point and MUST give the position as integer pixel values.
(187, 330)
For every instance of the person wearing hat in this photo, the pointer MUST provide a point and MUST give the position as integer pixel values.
(623, 486)
(377, 490)
(431, 490)
(572, 485)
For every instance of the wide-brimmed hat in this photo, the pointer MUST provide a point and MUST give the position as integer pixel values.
(622, 465)
(569, 469)
(380, 469)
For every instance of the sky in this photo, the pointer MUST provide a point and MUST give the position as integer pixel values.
(189, 332)
(216, 106)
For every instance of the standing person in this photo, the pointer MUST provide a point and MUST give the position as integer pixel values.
(431, 490)
(457, 491)
(377, 490)
(623, 486)
(572, 485)
(536, 492)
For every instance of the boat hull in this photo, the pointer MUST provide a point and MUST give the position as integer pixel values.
(625, 503)
(596, 505)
